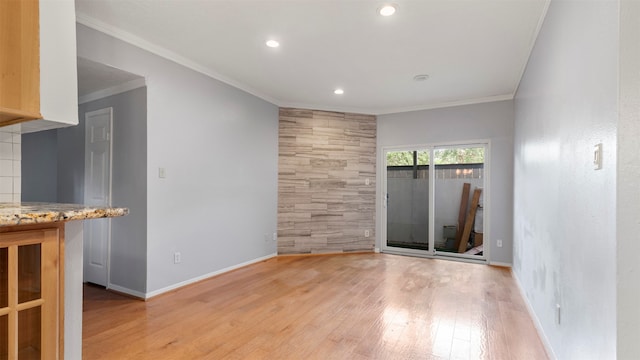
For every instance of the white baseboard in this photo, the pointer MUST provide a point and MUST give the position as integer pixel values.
(536, 321)
(497, 263)
(206, 276)
(124, 290)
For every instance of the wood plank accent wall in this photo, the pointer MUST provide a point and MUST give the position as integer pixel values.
(324, 160)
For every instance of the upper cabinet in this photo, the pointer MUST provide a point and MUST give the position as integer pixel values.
(38, 63)
(19, 61)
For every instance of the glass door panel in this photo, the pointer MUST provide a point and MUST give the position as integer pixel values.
(29, 332)
(458, 215)
(4, 277)
(4, 303)
(29, 270)
(4, 337)
(407, 199)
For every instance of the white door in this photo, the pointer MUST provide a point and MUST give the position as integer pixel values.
(97, 192)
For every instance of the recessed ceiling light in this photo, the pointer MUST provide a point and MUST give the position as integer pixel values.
(387, 10)
(338, 91)
(272, 43)
(421, 77)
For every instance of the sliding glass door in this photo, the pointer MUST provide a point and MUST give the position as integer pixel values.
(433, 200)
(459, 201)
(407, 199)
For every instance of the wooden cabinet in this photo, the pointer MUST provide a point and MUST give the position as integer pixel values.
(19, 61)
(30, 294)
(38, 68)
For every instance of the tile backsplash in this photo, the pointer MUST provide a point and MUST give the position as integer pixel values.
(10, 167)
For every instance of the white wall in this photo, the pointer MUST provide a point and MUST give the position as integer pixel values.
(10, 163)
(219, 147)
(58, 69)
(628, 191)
(488, 121)
(564, 211)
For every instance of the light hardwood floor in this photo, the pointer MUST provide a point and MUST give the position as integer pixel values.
(356, 306)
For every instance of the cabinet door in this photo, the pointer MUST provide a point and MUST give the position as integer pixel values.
(19, 61)
(29, 294)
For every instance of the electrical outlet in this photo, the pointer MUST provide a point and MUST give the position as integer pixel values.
(499, 243)
(275, 236)
(176, 258)
(162, 173)
(367, 182)
(366, 233)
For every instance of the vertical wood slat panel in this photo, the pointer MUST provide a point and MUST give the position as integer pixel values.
(324, 202)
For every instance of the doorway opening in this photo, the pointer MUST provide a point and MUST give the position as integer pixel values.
(107, 92)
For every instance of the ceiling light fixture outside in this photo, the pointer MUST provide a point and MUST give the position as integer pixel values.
(421, 77)
(387, 10)
(272, 43)
(338, 91)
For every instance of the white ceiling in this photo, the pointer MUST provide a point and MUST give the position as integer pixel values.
(473, 50)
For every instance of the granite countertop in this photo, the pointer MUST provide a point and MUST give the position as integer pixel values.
(39, 213)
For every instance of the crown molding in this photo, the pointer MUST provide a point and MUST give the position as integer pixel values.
(114, 90)
(137, 41)
(387, 111)
(441, 105)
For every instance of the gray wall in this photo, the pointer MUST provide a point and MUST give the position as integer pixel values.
(219, 146)
(71, 162)
(470, 123)
(129, 181)
(564, 210)
(39, 170)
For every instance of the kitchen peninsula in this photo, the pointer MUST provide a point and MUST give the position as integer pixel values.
(41, 266)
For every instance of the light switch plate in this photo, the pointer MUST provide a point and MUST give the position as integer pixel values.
(597, 156)
(162, 173)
